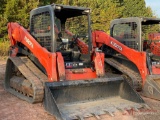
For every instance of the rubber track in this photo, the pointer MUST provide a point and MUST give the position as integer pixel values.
(134, 76)
(35, 77)
(42, 77)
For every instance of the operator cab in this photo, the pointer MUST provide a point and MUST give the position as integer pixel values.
(73, 24)
(58, 28)
(135, 31)
(141, 34)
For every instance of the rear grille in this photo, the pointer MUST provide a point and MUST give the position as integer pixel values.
(40, 29)
(45, 42)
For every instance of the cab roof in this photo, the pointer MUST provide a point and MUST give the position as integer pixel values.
(66, 11)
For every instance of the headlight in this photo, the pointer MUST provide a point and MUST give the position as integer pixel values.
(65, 40)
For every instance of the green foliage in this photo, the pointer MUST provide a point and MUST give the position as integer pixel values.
(15, 11)
(136, 8)
(103, 11)
(18, 10)
(3, 20)
(4, 47)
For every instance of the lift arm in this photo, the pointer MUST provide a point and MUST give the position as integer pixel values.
(138, 58)
(17, 34)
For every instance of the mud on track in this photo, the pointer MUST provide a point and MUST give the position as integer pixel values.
(12, 108)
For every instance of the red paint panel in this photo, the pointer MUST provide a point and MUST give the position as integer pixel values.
(87, 74)
(60, 66)
(99, 63)
(155, 70)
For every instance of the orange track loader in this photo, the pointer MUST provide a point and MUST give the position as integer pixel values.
(133, 49)
(63, 68)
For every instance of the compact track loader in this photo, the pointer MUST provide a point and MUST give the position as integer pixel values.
(133, 49)
(59, 63)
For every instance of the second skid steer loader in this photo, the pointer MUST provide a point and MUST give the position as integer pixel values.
(133, 49)
(62, 67)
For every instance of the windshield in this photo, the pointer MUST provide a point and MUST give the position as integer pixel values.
(150, 29)
(78, 26)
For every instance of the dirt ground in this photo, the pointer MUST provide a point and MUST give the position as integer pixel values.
(12, 108)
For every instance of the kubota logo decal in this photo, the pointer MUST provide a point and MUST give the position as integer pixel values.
(28, 41)
(116, 45)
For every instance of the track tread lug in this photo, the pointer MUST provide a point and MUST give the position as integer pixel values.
(28, 73)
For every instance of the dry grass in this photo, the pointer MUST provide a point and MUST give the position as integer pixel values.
(4, 47)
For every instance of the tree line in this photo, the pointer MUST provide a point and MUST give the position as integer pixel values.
(103, 11)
